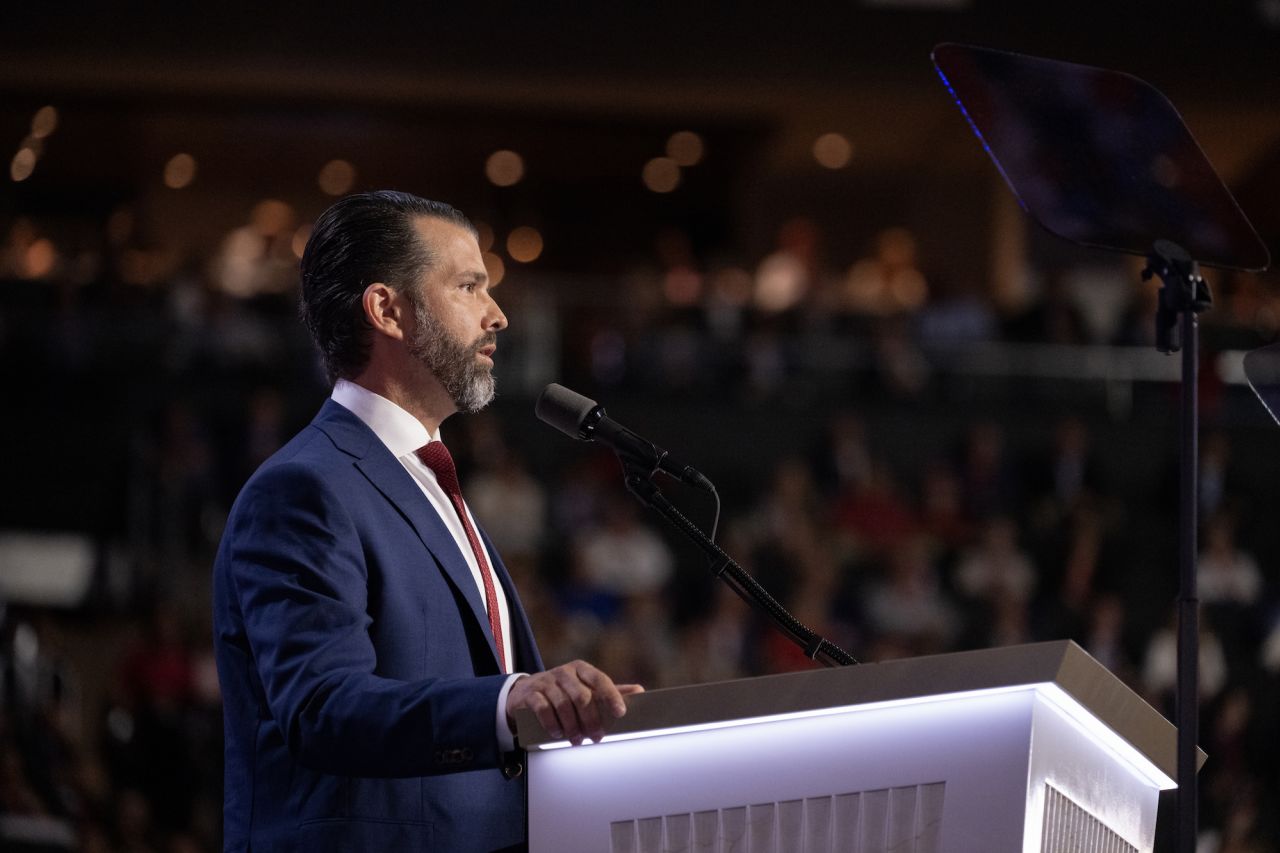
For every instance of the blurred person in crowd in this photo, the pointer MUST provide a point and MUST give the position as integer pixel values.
(1136, 326)
(889, 282)
(157, 679)
(17, 796)
(641, 644)
(842, 459)
(957, 314)
(787, 275)
(901, 370)
(1055, 318)
(512, 503)
(1228, 576)
(264, 429)
(716, 646)
(186, 480)
(135, 829)
(1230, 585)
(1160, 665)
(1075, 560)
(1218, 478)
(1269, 653)
(784, 282)
(1068, 472)
(40, 754)
(156, 672)
(585, 606)
(907, 606)
(996, 567)
(942, 515)
(875, 513)
(790, 512)
(579, 491)
(788, 503)
(725, 304)
(812, 600)
(370, 645)
(622, 556)
(1008, 624)
(678, 345)
(987, 473)
(257, 258)
(1232, 737)
(1107, 636)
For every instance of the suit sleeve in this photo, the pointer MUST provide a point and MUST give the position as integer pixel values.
(295, 565)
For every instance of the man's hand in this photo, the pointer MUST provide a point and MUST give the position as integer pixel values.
(570, 700)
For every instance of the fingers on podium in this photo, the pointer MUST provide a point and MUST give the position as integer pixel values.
(570, 699)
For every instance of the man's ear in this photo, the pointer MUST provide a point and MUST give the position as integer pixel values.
(385, 309)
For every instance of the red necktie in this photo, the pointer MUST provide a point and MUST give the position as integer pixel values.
(436, 457)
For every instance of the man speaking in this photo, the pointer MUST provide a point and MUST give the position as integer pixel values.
(370, 644)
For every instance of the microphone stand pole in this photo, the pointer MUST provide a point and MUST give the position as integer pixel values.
(1184, 294)
(638, 482)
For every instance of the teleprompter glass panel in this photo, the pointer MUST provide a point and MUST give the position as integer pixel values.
(1098, 157)
(1262, 369)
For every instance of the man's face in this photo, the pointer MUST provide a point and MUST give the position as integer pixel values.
(456, 319)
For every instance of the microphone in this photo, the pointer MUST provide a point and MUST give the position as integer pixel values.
(584, 419)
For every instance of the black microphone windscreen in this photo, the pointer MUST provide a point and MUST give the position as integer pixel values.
(563, 409)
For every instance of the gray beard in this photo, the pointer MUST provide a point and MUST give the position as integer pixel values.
(468, 382)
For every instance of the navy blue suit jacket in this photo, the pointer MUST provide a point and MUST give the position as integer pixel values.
(359, 679)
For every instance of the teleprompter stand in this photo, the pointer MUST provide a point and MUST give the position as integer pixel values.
(1183, 295)
(1104, 160)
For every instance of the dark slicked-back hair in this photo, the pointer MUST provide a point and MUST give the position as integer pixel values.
(361, 239)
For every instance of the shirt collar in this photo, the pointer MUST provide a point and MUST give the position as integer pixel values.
(400, 431)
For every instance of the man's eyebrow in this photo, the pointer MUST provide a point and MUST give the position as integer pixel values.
(474, 276)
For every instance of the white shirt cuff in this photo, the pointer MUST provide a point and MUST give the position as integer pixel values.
(506, 737)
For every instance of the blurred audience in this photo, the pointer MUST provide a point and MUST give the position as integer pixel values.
(983, 523)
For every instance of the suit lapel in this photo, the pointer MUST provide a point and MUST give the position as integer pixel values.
(388, 476)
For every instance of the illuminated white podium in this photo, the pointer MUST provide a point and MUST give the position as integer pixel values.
(1028, 748)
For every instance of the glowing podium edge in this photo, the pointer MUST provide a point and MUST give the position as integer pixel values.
(1063, 674)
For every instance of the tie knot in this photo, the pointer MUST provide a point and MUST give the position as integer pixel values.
(436, 457)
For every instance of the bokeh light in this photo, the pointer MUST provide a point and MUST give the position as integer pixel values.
(120, 226)
(661, 174)
(682, 286)
(44, 122)
(23, 164)
(180, 171)
(524, 244)
(336, 177)
(40, 258)
(504, 168)
(272, 217)
(484, 235)
(685, 148)
(300, 238)
(833, 150)
(494, 266)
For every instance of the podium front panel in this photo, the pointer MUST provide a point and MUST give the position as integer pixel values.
(998, 770)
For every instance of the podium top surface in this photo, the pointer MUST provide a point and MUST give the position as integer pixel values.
(1061, 663)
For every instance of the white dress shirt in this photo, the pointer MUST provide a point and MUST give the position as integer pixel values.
(403, 434)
